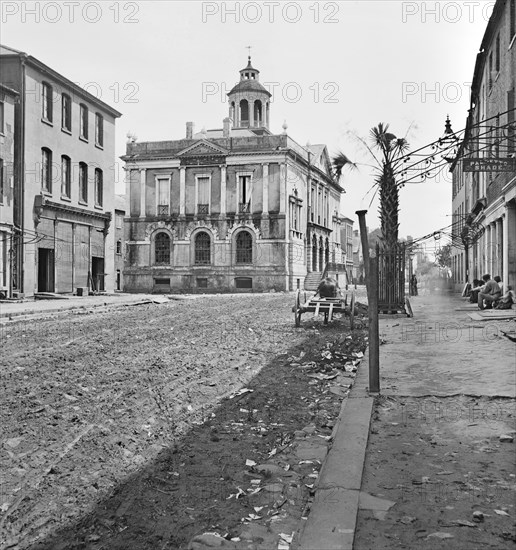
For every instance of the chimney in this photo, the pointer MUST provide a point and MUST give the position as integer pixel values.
(227, 122)
(189, 130)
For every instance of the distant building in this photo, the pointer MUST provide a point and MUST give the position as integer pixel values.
(483, 200)
(236, 208)
(358, 258)
(346, 239)
(8, 100)
(64, 153)
(119, 241)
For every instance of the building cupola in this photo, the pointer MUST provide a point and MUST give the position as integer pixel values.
(249, 101)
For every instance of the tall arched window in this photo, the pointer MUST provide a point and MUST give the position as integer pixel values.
(66, 168)
(244, 112)
(202, 248)
(162, 248)
(99, 187)
(258, 113)
(244, 248)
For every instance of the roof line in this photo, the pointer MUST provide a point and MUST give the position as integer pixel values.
(58, 76)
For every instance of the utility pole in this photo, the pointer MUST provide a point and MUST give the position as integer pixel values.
(371, 271)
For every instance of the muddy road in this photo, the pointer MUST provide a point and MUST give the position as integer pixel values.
(90, 401)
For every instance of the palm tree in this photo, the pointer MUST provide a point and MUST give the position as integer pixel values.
(387, 168)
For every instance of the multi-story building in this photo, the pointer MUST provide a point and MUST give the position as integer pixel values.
(64, 154)
(8, 99)
(232, 208)
(119, 241)
(358, 258)
(346, 238)
(484, 171)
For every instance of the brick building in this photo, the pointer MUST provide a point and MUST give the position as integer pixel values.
(64, 152)
(231, 208)
(483, 200)
(8, 100)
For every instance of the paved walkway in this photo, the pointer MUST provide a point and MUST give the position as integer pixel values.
(12, 309)
(441, 351)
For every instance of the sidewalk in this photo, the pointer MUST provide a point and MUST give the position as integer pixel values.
(10, 310)
(409, 468)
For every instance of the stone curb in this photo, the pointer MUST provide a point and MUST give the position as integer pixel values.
(14, 315)
(332, 520)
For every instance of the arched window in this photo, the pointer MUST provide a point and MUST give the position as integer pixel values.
(258, 113)
(244, 112)
(99, 187)
(66, 168)
(162, 248)
(202, 248)
(244, 248)
(46, 169)
(83, 182)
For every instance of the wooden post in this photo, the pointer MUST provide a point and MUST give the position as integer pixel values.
(374, 333)
(365, 244)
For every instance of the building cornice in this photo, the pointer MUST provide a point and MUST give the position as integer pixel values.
(41, 67)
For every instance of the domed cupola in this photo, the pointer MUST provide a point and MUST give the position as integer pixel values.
(249, 100)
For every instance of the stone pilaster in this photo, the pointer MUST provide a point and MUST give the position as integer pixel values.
(182, 190)
(143, 188)
(265, 196)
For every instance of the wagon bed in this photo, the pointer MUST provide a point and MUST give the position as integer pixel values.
(324, 306)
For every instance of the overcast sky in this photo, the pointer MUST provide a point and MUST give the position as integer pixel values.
(335, 69)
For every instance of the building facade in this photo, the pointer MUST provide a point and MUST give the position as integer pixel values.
(8, 100)
(484, 173)
(119, 251)
(347, 246)
(236, 208)
(64, 155)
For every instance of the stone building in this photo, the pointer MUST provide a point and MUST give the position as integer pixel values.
(232, 208)
(119, 241)
(64, 152)
(484, 171)
(8, 99)
(347, 245)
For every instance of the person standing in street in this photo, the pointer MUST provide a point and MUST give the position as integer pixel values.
(490, 293)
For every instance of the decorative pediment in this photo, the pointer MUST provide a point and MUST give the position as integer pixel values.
(324, 162)
(203, 148)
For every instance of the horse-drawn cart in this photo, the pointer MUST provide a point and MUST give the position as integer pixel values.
(324, 306)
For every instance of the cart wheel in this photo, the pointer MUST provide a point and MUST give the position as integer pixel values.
(408, 307)
(297, 307)
(352, 311)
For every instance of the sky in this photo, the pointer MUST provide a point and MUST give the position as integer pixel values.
(335, 69)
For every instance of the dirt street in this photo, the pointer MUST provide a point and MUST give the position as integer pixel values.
(144, 427)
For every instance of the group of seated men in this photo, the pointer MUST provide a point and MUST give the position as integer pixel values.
(488, 293)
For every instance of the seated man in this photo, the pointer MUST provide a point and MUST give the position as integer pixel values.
(476, 287)
(328, 288)
(506, 301)
(498, 279)
(489, 293)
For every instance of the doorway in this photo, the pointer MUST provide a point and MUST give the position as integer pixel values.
(97, 273)
(45, 270)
